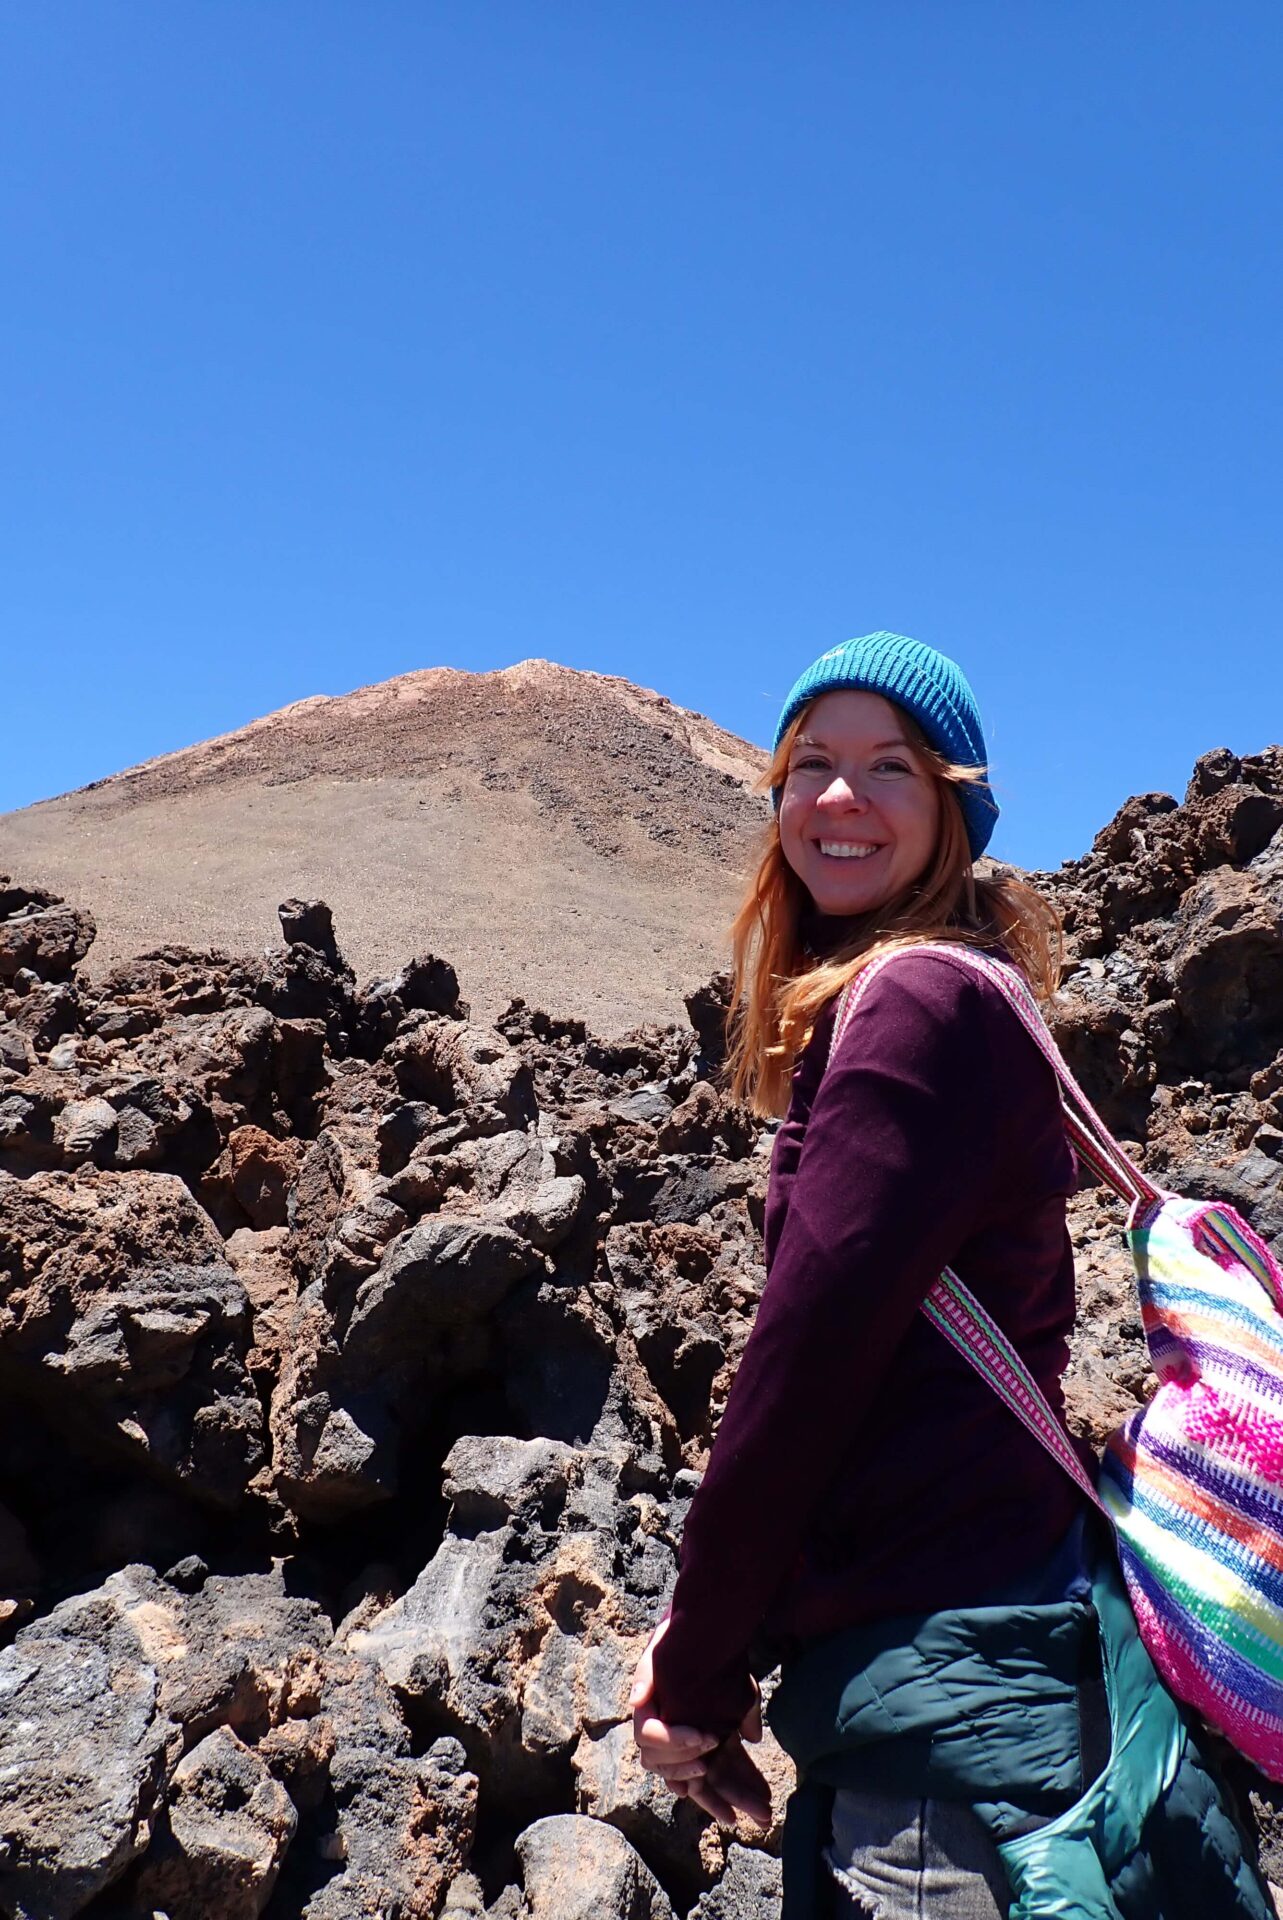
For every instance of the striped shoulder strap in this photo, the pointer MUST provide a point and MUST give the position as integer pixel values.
(954, 1309)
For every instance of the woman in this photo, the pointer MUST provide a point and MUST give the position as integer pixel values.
(871, 1514)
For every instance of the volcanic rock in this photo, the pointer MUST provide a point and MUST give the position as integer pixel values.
(577, 1869)
(524, 1628)
(750, 1889)
(84, 1746)
(405, 1828)
(491, 1285)
(225, 1830)
(119, 1314)
(40, 935)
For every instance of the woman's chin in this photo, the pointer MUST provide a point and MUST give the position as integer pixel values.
(844, 902)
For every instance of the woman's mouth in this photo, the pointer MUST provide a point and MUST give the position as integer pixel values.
(846, 849)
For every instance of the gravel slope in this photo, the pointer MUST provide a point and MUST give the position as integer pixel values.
(561, 835)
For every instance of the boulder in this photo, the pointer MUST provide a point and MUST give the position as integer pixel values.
(425, 984)
(365, 1358)
(120, 1316)
(85, 1130)
(573, 1868)
(439, 1275)
(524, 1628)
(227, 1654)
(16, 1051)
(219, 1847)
(1227, 974)
(707, 1010)
(49, 941)
(516, 1181)
(452, 1065)
(154, 986)
(750, 1889)
(405, 1828)
(84, 1747)
(309, 923)
(245, 1064)
(260, 1169)
(262, 1264)
(159, 1127)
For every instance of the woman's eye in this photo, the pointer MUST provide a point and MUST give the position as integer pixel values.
(892, 766)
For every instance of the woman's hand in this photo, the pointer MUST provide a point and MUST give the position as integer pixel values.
(676, 1754)
(732, 1784)
(717, 1775)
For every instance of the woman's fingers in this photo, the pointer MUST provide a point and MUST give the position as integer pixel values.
(733, 1780)
(660, 1746)
(719, 1777)
(642, 1690)
(682, 1742)
(675, 1753)
(705, 1795)
(751, 1724)
(644, 1674)
(685, 1770)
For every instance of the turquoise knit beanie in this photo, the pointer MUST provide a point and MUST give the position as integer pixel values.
(923, 683)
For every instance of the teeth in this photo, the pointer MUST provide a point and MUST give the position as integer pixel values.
(846, 849)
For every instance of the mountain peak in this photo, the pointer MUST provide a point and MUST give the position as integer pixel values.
(567, 835)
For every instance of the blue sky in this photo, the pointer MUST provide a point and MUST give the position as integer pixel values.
(677, 342)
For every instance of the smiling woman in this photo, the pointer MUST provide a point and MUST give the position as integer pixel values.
(872, 1517)
(882, 806)
(860, 809)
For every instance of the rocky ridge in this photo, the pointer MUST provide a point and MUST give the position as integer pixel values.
(359, 1360)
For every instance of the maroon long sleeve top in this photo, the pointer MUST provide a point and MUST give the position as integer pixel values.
(862, 1468)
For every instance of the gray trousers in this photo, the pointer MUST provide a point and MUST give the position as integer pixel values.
(897, 1859)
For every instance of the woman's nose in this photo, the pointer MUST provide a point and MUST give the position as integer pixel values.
(842, 792)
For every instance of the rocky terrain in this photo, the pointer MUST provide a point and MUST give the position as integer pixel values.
(561, 834)
(359, 1358)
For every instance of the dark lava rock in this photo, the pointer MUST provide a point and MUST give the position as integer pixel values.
(401, 1342)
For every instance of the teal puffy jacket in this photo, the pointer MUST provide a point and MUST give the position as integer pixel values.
(981, 1705)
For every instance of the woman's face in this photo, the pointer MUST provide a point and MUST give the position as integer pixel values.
(860, 810)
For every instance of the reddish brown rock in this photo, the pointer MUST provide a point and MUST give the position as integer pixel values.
(48, 941)
(261, 1262)
(260, 1169)
(120, 1316)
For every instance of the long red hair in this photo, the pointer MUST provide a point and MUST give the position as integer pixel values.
(780, 989)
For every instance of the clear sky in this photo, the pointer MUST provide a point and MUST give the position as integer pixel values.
(675, 341)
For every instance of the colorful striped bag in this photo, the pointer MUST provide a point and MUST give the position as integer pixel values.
(1192, 1483)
